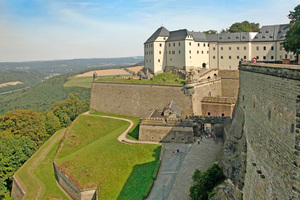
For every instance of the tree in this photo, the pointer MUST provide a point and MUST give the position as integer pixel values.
(24, 123)
(244, 26)
(51, 122)
(292, 38)
(210, 32)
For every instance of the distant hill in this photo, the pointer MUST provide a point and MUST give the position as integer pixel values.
(65, 66)
(13, 80)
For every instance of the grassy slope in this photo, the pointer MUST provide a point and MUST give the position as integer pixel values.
(43, 170)
(92, 156)
(170, 79)
(79, 82)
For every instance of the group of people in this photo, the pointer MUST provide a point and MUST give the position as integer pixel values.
(208, 135)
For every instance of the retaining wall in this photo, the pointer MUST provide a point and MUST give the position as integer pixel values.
(73, 191)
(18, 190)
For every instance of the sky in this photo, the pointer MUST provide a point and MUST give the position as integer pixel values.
(67, 29)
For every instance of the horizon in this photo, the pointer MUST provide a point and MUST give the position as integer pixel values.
(36, 30)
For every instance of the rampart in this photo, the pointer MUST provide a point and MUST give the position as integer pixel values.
(265, 133)
(18, 190)
(73, 191)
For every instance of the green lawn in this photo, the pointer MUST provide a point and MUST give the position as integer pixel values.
(92, 157)
(170, 79)
(85, 82)
(40, 166)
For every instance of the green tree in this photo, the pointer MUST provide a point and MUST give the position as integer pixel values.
(292, 38)
(210, 32)
(24, 123)
(244, 26)
(204, 183)
(51, 122)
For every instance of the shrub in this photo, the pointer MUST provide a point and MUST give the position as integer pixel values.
(204, 183)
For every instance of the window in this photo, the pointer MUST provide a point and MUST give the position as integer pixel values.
(245, 48)
(173, 52)
(229, 57)
(208, 45)
(204, 44)
(159, 44)
(214, 57)
(272, 47)
(197, 52)
(221, 48)
(179, 51)
(280, 57)
(223, 115)
(264, 57)
(229, 48)
(214, 48)
(159, 52)
(272, 57)
(202, 52)
(169, 44)
(164, 38)
(178, 43)
(158, 60)
(221, 57)
(174, 44)
(169, 52)
(257, 57)
(245, 57)
(267, 31)
(170, 59)
(229, 37)
(238, 57)
(257, 48)
(265, 48)
(237, 48)
(198, 44)
(190, 44)
(237, 37)
(263, 36)
(208, 113)
(207, 52)
(190, 51)
(291, 56)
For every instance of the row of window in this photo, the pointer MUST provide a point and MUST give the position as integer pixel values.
(264, 48)
(148, 45)
(245, 57)
(148, 52)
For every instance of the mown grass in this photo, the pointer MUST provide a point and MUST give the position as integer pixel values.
(133, 133)
(158, 80)
(85, 82)
(92, 157)
(44, 171)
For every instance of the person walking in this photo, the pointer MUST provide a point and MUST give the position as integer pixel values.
(201, 137)
(198, 141)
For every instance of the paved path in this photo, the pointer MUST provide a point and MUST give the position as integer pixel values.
(122, 138)
(175, 174)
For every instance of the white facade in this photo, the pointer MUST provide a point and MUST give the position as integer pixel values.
(184, 49)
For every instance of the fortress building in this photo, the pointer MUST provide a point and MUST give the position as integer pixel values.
(185, 49)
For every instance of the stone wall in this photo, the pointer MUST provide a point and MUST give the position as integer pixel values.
(159, 130)
(73, 191)
(230, 82)
(18, 190)
(268, 96)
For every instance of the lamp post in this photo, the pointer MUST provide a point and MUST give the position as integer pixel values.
(163, 194)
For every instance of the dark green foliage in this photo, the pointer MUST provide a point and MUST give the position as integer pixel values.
(28, 79)
(51, 122)
(292, 41)
(244, 26)
(204, 183)
(210, 32)
(42, 96)
(67, 110)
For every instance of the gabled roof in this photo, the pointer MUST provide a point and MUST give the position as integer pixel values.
(183, 33)
(230, 37)
(172, 106)
(161, 32)
(271, 33)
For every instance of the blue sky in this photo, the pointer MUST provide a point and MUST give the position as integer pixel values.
(66, 29)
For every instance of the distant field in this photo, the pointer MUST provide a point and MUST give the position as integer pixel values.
(106, 72)
(92, 157)
(79, 82)
(37, 173)
(135, 69)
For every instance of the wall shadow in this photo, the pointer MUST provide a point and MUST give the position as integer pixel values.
(141, 175)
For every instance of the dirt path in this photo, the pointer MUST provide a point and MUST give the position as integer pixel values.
(40, 188)
(122, 138)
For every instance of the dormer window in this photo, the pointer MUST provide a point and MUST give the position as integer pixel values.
(244, 37)
(220, 37)
(237, 37)
(263, 36)
(255, 37)
(229, 37)
(267, 31)
(271, 36)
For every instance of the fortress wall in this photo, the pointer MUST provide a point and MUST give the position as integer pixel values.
(73, 191)
(18, 191)
(230, 82)
(204, 89)
(268, 96)
(137, 100)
